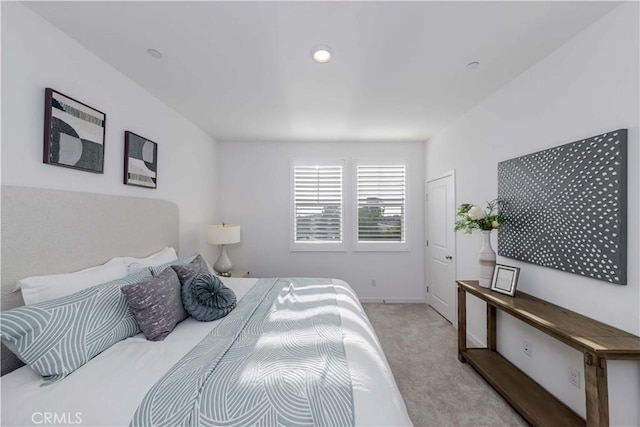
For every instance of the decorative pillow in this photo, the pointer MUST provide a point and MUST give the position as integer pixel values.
(45, 288)
(197, 266)
(162, 257)
(156, 304)
(57, 337)
(157, 269)
(206, 298)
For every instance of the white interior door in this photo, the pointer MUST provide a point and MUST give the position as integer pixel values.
(441, 287)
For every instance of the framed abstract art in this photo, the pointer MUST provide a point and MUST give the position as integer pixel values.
(74, 133)
(140, 161)
(566, 207)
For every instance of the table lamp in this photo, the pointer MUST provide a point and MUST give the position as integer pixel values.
(223, 235)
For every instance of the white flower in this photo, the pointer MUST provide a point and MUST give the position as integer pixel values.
(476, 213)
(495, 224)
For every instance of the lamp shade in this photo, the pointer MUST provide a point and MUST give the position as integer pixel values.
(223, 234)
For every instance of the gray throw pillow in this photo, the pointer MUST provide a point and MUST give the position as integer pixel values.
(186, 271)
(157, 269)
(156, 304)
(206, 298)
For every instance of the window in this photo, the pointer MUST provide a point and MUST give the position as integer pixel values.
(381, 207)
(376, 203)
(317, 206)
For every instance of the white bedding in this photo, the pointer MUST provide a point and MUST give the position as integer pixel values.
(107, 390)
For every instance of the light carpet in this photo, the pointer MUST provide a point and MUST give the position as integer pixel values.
(421, 347)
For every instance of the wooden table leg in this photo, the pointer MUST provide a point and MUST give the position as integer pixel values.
(491, 327)
(462, 323)
(595, 384)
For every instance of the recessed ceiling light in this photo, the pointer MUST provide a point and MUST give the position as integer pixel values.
(154, 53)
(472, 65)
(321, 54)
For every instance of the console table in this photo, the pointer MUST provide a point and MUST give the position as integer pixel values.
(598, 342)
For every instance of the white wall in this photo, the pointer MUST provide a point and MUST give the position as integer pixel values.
(36, 55)
(255, 193)
(586, 87)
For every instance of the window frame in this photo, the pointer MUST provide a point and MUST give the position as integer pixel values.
(317, 246)
(385, 246)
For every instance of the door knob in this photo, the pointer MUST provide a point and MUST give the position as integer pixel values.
(448, 257)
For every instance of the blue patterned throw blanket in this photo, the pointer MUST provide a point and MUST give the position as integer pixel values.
(277, 359)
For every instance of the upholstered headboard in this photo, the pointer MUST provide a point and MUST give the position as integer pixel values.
(52, 231)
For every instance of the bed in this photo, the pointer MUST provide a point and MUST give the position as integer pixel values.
(120, 384)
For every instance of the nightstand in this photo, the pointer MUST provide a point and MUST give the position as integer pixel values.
(239, 273)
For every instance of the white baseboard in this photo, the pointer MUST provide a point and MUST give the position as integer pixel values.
(471, 339)
(474, 341)
(392, 300)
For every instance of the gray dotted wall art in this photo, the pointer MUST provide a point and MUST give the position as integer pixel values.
(566, 207)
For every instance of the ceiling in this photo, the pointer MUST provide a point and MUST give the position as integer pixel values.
(242, 71)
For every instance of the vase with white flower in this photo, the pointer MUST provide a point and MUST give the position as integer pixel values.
(472, 218)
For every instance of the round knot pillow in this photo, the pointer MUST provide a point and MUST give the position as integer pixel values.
(206, 298)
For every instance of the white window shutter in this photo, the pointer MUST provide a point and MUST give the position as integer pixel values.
(381, 203)
(317, 204)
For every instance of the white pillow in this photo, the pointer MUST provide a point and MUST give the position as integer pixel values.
(211, 270)
(44, 288)
(164, 256)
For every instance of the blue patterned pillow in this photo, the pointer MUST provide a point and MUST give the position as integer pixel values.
(57, 337)
(156, 270)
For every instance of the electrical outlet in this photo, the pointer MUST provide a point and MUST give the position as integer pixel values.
(527, 348)
(574, 377)
(374, 283)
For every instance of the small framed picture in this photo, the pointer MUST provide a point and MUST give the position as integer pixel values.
(73, 133)
(140, 161)
(505, 279)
